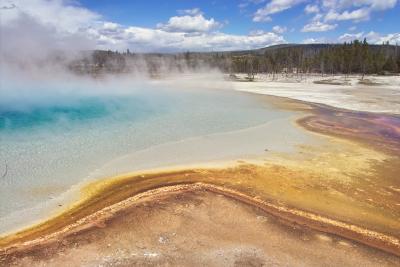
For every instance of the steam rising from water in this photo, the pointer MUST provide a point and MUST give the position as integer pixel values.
(57, 127)
(35, 61)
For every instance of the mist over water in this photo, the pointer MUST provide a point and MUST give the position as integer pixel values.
(55, 133)
(69, 111)
(57, 128)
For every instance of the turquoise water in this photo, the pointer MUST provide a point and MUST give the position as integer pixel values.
(87, 109)
(50, 145)
(84, 110)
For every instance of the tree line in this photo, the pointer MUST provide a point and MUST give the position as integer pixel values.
(356, 57)
(349, 58)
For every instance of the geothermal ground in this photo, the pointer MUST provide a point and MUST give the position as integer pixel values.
(200, 228)
(335, 202)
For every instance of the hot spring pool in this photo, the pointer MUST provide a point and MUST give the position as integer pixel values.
(57, 142)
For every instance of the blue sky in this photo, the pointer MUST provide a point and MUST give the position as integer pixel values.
(180, 25)
(149, 13)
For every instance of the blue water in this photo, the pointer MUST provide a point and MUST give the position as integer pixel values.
(78, 112)
(48, 146)
(84, 110)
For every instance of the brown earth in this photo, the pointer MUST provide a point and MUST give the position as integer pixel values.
(200, 228)
(288, 210)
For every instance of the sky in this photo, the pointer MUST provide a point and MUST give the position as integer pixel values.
(186, 25)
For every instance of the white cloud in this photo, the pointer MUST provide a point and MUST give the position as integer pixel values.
(192, 12)
(38, 23)
(181, 33)
(329, 12)
(62, 24)
(67, 18)
(309, 9)
(346, 4)
(145, 39)
(377, 38)
(317, 17)
(279, 29)
(348, 37)
(110, 26)
(382, 4)
(356, 15)
(372, 37)
(32, 30)
(189, 23)
(260, 17)
(25, 41)
(273, 7)
(356, 10)
(314, 40)
(317, 26)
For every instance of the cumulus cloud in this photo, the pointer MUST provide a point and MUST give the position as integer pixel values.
(189, 23)
(314, 40)
(141, 39)
(279, 29)
(355, 15)
(327, 12)
(382, 5)
(348, 37)
(346, 4)
(317, 17)
(377, 38)
(28, 37)
(330, 11)
(372, 37)
(44, 25)
(273, 7)
(309, 9)
(36, 28)
(317, 26)
(64, 18)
